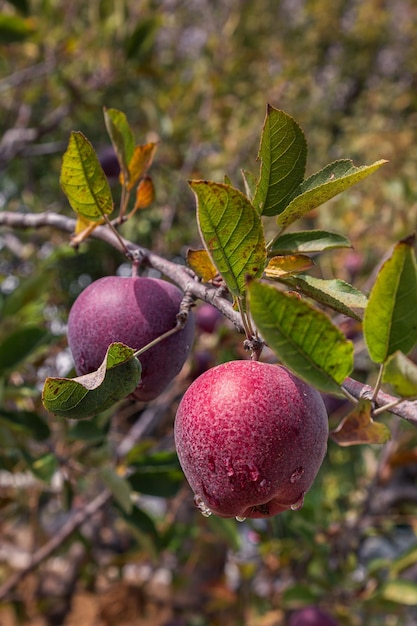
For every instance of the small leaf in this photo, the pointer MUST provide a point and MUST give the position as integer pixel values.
(334, 293)
(85, 396)
(400, 591)
(26, 422)
(157, 474)
(200, 263)
(390, 321)
(401, 373)
(283, 155)
(45, 467)
(280, 266)
(232, 232)
(119, 487)
(145, 193)
(250, 181)
(121, 137)
(20, 344)
(358, 427)
(308, 241)
(140, 163)
(303, 338)
(14, 28)
(83, 180)
(324, 185)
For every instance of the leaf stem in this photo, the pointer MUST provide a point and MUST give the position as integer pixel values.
(377, 384)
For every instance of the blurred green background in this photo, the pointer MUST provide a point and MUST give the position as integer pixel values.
(196, 76)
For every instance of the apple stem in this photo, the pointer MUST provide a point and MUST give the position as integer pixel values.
(187, 303)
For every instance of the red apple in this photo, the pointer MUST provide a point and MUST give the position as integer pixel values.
(250, 438)
(207, 318)
(134, 311)
(311, 616)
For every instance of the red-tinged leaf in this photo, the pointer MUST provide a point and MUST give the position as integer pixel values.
(140, 163)
(287, 264)
(358, 427)
(145, 193)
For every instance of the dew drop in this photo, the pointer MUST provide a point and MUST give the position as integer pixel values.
(239, 518)
(200, 504)
(253, 473)
(298, 504)
(297, 475)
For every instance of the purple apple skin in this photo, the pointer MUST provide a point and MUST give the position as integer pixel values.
(311, 616)
(250, 438)
(134, 311)
(207, 318)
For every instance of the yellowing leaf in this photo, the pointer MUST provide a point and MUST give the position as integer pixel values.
(200, 263)
(145, 193)
(401, 373)
(288, 264)
(140, 163)
(83, 180)
(358, 427)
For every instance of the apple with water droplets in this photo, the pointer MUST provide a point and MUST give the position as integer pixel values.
(251, 438)
(134, 311)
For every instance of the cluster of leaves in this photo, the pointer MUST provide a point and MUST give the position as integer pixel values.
(231, 224)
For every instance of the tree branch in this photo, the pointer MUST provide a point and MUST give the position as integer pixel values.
(181, 276)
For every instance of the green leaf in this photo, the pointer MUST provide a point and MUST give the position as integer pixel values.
(142, 523)
(118, 486)
(400, 591)
(334, 293)
(45, 467)
(232, 232)
(324, 185)
(390, 321)
(85, 396)
(18, 346)
(308, 241)
(250, 181)
(304, 338)
(83, 180)
(401, 373)
(283, 154)
(14, 28)
(121, 137)
(158, 474)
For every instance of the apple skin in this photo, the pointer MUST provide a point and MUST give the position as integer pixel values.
(134, 311)
(207, 318)
(250, 438)
(311, 616)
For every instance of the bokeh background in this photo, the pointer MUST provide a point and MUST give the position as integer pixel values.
(196, 76)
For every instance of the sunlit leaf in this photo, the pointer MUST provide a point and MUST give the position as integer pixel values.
(14, 28)
(280, 266)
(121, 137)
(145, 193)
(358, 427)
(83, 180)
(324, 185)
(232, 232)
(283, 155)
(140, 162)
(85, 396)
(334, 293)
(118, 486)
(400, 591)
(200, 262)
(390, 321)
(401, 373)
(303, 337)
(308, 241)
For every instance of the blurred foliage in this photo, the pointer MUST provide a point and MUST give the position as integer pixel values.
(196, 76)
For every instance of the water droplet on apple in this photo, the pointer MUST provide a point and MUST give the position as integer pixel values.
(296, 475)
(298, 504)
(239, 518)
(253, 473)
(200, 504)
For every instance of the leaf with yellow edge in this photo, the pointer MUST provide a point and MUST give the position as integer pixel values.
(140, 163)
(83, 180)
(280, 266)
(358, 427)
(145, 193)
(201, 264)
